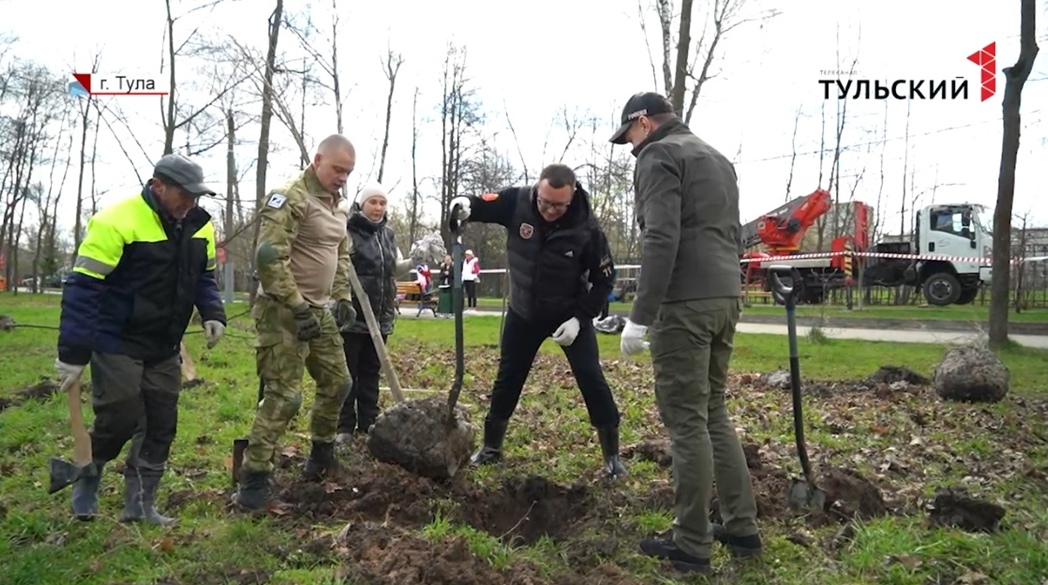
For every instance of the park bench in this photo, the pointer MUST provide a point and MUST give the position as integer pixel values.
(411, 292)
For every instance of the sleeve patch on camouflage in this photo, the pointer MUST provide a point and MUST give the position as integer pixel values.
(276, 201)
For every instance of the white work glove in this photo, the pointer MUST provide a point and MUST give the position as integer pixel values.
(567, 332)
(68, 371)
(213, 331)
(632, 341)
(463, 207)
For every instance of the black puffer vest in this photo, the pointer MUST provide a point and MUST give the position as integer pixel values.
(375, 260)
(546, 264)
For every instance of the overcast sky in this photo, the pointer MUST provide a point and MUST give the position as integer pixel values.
(531, 59)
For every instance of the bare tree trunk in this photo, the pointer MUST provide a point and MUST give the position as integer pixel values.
(905, 169)
(267, 117)
(877, 225)
(78, 222)
(793, 153)
(336, 86)
(665, 9)
(169, 115)
(44, 209)
(1015, 78)
(231, 177)
(413, 220)
(391, 67)
(680, 74)
(52, 229)
(94, 157)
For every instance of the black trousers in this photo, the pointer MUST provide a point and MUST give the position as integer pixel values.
(134, 400)
(360, 409)
(521, 339)
(470, 288)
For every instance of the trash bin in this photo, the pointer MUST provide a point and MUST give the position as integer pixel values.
(444, 300)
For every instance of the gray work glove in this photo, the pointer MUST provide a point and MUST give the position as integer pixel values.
(306, 322)
(213, 331)
(345, 314)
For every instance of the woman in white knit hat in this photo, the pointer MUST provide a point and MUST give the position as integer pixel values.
(378, 262)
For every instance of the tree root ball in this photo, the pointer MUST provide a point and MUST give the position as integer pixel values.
(415, 435)
(970, 373)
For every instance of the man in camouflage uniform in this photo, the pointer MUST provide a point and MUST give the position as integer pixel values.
(303, 265)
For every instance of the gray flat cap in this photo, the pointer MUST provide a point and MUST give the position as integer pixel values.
(181, 170)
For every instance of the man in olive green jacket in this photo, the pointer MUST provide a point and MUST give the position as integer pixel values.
(689, 294)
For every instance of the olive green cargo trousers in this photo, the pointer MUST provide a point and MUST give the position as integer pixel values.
(691, 347)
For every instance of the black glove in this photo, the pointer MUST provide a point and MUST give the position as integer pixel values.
(345, 314)
(307, 323)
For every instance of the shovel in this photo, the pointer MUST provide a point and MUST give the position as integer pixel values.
(456, 306)
(65, 473)
(804, 496)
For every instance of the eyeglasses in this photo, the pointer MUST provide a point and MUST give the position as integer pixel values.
(547, 204)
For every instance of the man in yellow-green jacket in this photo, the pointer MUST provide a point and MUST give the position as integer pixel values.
(143, 266)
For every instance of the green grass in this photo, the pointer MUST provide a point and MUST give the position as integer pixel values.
(908, 442)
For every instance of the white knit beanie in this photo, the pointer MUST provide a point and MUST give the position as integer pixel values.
(369, 191)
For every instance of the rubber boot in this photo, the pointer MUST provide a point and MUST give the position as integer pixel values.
(85, 493)
(491, 451)
(609, 446)
(140, 498)
(256, 494)
(321, 462)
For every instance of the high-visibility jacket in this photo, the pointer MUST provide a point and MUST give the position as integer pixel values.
(137, 276)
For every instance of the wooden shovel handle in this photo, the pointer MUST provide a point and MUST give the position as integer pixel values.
(81, 440)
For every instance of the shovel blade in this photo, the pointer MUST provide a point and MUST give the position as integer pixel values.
(64, 474)
(805, 497)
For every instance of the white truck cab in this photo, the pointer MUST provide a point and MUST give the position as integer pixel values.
(961, 231)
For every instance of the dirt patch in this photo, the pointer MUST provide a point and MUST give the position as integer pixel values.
(892, 374)
(527, 509)
(850, 495)
(40, 392)
(956, 509)
(385, 555)
(362, 489)
(382, 555)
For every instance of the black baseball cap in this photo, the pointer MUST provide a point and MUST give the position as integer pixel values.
(645, 103)
(186, 173)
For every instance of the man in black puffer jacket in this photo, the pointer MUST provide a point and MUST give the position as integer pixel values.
(561, 271)
(377, 261)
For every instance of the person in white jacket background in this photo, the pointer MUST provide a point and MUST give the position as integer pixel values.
(470, 278)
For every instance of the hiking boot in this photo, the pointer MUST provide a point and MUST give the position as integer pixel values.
(255, 493)
(85, 493)
(609, 446)
(667, 550)
(491, 451)
(321, 462)
(739, 546)
(140, 498)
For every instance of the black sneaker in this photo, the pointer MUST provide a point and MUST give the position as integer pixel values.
(666, 549)
(739, 546)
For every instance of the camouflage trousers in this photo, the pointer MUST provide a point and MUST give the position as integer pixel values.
(281, 360)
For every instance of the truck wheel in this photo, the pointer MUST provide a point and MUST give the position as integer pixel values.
(942, 289)
(968, 295)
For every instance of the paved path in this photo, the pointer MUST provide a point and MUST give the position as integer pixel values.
(885, 334)
(838, 321)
